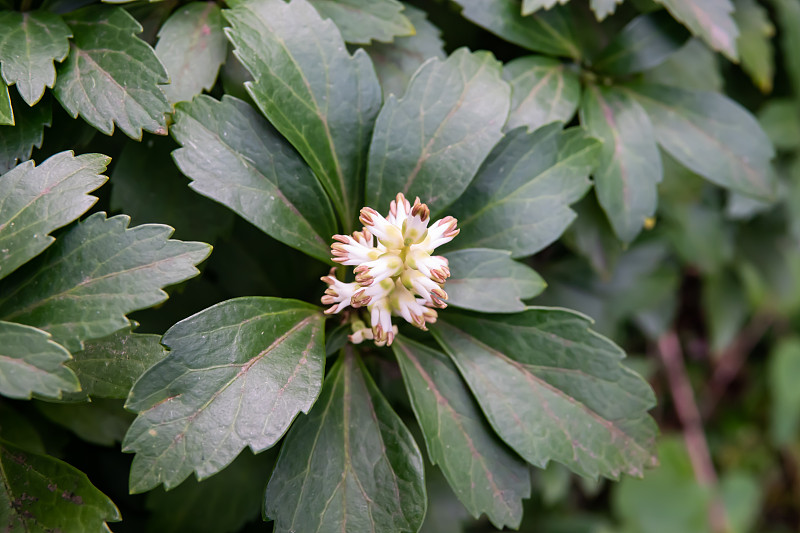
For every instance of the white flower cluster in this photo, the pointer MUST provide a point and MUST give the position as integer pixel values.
(397, 275)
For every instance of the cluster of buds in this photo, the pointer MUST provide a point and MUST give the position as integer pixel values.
(395, 271)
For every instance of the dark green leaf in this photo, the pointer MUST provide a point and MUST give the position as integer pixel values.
(17, 142)
(787, 13)
(490, 281)
(554, 390)
(780, 119)
(755, 42)
(98, 271)
(6, 111)
(38, 200)
(351, 465)
(41, 493)
(108, 367)
(147, 186)
(486, 476)
(30, 363)
(725, 309)
(192, 47)
(397, 61)
(519, 201)
(630, 165)
(543, 90)
(783, 373)
(29, 42)
(695, 66)
(711, 135)
(237, 374)
(322, 99)
(102, 422)
(362, 21)
(646, 42)
(17, 429)
(691, 227)
(111, 76)
(235, 157)
(592, 237)
(709, 19)
(431, 142)
(548, 32)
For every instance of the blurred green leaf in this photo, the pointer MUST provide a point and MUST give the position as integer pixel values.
(725, 308)
(17, 429)
(39, 199)
(694, 66)
(431, 142)
(783, 374)
(543, 90)
(102, 422)
(519, 201)
(350, 465)
(488, 280)
(710, 19)
(29, 43)
(691, 227)
(362, 21)
(322, 99)
(742, 497)
(17, 142)
(780, 119)
(755, 42)
(787, 14)
(630, 164)
(192, 47)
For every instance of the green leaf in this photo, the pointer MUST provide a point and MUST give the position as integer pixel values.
(787, 13)
(630, 165)
(710, 19)
(712, 136)
(350, 465)
(102, 422)
(519, 201)
(108, 367)
(485, 475)
(322, 99)
(431, 142)
(237, 374)
(695, 66)
(396, 62)
(755, 43)
(147, 186)
(782, 374)
(553, 389)
(17, 429)
(29, 43)
(31, 363)
(235, 157)
(548, 32)
(96, 272)
(646, 42)
(38, 200)
(543, 90)
(362, 21)
(779, 119)
(192, 47)
(6, 111)
(603, 8)
(111, 76)
(490, 281)
(41, 493)
(691, 227)
(591, 236)
(17, 142)
(529, 6)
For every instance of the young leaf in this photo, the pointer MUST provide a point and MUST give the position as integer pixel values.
(646, 42)
(712, 136)
(96, 272)
(543, 90)
(235, 157)
(362, 21)
(30, 363)
(111, 76)
(630, 164)
(29, 43)
(108, 367)
(322, 99)
(519, 201)
(755, 43)
(548, 32)
(17, 142)
(709, 19)
(350, 465)
(237, 374)
(486, 476)
(554, 390)
(192, 47)
(41, 493)
(431, 142)
(396, 62)
(37, 200)
(490, 281)
(6, 111)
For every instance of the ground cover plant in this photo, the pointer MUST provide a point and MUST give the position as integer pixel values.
(443, 266)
